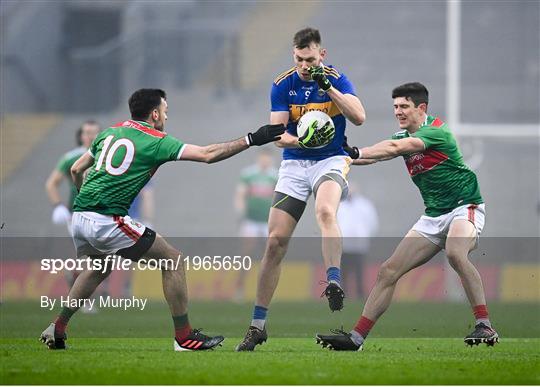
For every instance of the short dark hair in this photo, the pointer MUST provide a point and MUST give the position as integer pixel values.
(305, 37)
(78, 134)
(414, 91)
(143, 101)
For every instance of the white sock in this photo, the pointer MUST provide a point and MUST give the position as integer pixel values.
(258, 324)
(357, 338)
(485, 321)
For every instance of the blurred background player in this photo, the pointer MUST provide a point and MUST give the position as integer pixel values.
(122, 160)
(453, 220)
(61, 214)
(309, 85)
(359, 222)
(252, 201)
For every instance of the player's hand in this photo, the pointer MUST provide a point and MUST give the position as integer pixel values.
(61, 214)
(317, 74)
(266, 134)
(354, 152)
(313, 138)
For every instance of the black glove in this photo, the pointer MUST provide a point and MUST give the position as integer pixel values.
(353, 152)
(317, 74)
(266, 134)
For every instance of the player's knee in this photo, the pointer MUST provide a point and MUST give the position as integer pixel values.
(276, 247)
(456, 259)
(326, 215)
(387, 274)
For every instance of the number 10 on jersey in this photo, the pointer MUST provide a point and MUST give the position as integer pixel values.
(110, 148)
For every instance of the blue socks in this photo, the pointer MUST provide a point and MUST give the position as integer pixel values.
(333, 274)
(259, 317)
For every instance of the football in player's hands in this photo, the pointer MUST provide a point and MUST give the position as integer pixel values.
(315, 130)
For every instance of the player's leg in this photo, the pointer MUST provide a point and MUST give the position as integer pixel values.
(84, 230)
(413, 250)
(281, 225)
(328, 195)
(290, 197)
(284, 215)
(460, 242)
(71, 276)
(326, 206)
(172, 274)
(462, 239)
(175, 291)
(84, 286)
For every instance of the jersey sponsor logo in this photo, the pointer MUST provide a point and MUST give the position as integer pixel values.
(424, 161)
(297, 111)
(292, 93)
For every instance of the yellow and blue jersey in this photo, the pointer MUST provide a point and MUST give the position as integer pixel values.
(290, 93)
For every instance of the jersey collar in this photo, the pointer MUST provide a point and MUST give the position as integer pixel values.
(144, 123)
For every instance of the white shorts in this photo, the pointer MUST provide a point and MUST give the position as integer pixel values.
(299, 178)
(253, 229)
(97, 234)
(436, 228)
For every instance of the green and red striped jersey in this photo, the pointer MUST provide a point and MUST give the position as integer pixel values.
(260, 191)
(440, 173)
(125, 158)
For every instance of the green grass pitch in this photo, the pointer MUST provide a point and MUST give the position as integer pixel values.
(411, 344)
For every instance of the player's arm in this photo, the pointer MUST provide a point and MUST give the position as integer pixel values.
(354, 152)
(349, 105)
(287, 140)
(389, 149)
(364, 162)
(61, 213)
(240, 198)
(217, 152)
(79, 167)
(52, 187)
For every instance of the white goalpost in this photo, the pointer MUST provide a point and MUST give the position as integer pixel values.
(453, 88)
(471, 136)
